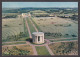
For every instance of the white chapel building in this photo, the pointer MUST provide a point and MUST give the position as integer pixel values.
(38, 37)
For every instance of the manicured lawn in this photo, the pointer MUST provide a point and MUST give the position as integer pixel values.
(64, 40)
(36, 24)
(41, 50)
(66, 28)
(14, 29)
(13, 43)
(30, 26)
(25, 28)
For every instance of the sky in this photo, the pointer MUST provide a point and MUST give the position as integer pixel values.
(38, 4)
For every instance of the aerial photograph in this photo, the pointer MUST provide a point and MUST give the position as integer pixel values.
(39, 28)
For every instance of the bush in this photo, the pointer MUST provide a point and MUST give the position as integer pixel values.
(6, 25)
(74, 36)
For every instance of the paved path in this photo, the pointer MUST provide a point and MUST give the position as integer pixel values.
(34, 25)
(34, 49)
(33, 46)
(49, 49)
(64, 41)
(13, 45)
(28, 29)
(61, 38)
(46, 45)
(13, 41)
(47, 40)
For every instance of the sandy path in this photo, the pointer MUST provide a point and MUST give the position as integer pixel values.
(60, 38)
(14, 45)
(49, 49)
(13, 41)
(46, 45)
(28, 29)
(64, 41)
(34, 49)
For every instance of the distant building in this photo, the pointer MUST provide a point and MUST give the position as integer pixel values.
(26, 15)
(52, 15)
(38, 37)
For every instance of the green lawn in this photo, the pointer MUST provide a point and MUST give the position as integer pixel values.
(41, 50)
(30, 26)
(14, 43)
(64, 40)
(25, 28)
(14, 29)
(35, 24)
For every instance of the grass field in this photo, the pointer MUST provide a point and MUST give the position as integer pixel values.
(41, 50)
(9, 14)
(12, 27)
(30, 26)
(56, 27)
(65, 48)
(64, 40)
(13, 43)
(18, 50)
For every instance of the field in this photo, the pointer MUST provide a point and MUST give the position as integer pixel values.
(65, 48)
(55, 27)
(64, 39)
(41, 50)
(30, 26)
(9, 14)
(12, 43)
(19, 50)
(12, 28)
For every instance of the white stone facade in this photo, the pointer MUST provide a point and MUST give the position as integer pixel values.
(26, 15)
(38, 37)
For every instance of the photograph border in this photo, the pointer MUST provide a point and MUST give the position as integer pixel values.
(40, 1)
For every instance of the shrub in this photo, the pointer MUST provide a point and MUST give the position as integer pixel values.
(74, 36)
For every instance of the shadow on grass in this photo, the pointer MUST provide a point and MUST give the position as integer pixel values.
(30, 40)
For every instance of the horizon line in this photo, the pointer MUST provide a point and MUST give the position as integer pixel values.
(39, 7)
